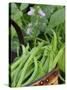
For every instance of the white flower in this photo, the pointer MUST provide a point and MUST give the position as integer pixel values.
(30, 24)
(41, 13)
(31, 12)
(29, 29)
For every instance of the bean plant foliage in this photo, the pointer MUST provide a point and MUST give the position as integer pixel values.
(43, 27)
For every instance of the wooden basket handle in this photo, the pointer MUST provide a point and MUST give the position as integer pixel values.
(20, 35)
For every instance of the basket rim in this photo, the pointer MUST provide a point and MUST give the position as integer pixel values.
(46, 76)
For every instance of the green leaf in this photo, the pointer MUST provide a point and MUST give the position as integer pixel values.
(14, 8)
(23, 6)
(13, 32)
(17, 17)
(57, 18)
(48, 9)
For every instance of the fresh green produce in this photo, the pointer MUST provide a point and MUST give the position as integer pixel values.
(44, 48)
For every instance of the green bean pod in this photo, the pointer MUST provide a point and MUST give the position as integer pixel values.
(35, 51)
(34, 73)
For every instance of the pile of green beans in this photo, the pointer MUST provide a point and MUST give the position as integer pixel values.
(35, 63)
